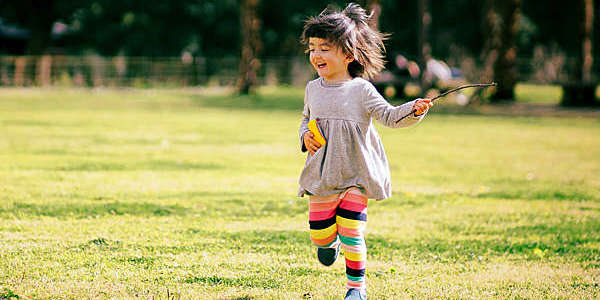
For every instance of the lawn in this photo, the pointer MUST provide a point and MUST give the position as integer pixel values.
(191, 194)
(530, 93)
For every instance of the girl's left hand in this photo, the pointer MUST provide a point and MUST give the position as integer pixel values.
(421, 106)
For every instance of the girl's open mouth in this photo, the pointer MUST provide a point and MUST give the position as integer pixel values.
(321, 66)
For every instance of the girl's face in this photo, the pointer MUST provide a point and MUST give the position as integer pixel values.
(329, 61)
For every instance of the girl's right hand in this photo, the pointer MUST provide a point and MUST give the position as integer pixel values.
(309, 142)
(421, 106)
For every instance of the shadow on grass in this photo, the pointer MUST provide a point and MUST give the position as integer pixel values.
(291, 99)
(212, 205)
(246, 282)
(281, 243)
(5, 293)
(412, 201)
(26, 123)
(255, 238)
(573, 240)
(550, 194)
(240, 205)
(162, 165)
(143, 261)
(507, 190)
(93, 210)
(510, 188)
(280, 99)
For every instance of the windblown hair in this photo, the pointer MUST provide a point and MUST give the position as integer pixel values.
(350, 31)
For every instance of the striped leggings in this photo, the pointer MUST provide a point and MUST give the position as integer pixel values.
(342, 218)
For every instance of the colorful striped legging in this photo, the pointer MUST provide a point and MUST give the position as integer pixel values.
(342, 218)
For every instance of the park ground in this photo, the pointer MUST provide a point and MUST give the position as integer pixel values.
(191, 194)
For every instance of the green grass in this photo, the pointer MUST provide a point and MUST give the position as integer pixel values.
(530, 93)
(192, 194)
(547, 94)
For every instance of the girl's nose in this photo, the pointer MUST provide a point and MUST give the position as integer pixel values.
(315, 54)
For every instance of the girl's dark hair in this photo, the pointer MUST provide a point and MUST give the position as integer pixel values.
(350, 31)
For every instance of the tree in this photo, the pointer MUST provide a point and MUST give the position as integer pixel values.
(38, 17)
(501, 27)
(134, 28)
(250, 47)
(423, 34)
(580, 89)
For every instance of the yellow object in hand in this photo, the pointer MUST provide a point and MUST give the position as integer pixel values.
(313, 126)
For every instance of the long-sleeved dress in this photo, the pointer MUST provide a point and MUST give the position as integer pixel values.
(353, 154)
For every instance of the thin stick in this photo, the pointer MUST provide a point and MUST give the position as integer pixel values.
(480, 85)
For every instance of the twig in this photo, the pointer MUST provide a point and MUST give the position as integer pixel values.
(480, 85)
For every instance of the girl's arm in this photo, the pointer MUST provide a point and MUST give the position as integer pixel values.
(382, 111)
(304, 124)
(303, 128)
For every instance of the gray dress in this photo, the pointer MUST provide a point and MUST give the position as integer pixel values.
(353, 154)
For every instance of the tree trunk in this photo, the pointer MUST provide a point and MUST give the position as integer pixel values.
(20, 64)
(580, 90)
(587, 34)
(501, 26)
(250, 47)
(44, 70)
(424, 48)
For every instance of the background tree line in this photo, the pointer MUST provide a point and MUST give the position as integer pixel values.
(213, 28)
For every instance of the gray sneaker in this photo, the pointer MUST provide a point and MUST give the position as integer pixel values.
(354, 294)
(327, 256)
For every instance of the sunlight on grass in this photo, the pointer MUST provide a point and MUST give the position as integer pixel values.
(191, 194)
(550, 94)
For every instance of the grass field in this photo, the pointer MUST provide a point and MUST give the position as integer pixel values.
(192, 195)
(531, 93)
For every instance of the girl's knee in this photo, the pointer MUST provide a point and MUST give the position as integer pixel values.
(323, 242)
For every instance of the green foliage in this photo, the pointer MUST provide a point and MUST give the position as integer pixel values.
(8, 294)
(133, 27)
(555, 26)
(191, 194)
(211, 28)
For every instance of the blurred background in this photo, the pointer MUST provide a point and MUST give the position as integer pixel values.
(248, 43)
(149, 150)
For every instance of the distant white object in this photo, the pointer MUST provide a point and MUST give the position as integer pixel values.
(59, 28)
(437, 70)
(461, 99)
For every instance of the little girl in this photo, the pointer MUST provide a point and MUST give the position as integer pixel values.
(351, 166)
